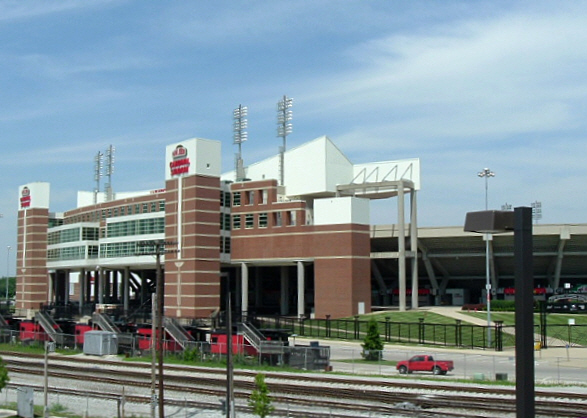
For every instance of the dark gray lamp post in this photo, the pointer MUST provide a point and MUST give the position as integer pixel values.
(520, 221)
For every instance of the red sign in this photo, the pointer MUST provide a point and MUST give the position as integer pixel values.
(25, 198)
(181, 163)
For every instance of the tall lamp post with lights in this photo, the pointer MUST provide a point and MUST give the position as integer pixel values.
(7, 271)
(486, 173)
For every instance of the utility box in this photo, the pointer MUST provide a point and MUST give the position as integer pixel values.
(25, 402)
(100, 343)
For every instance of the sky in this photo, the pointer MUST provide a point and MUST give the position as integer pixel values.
(461, 85)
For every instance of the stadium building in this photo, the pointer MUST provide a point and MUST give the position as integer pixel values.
(290, 235)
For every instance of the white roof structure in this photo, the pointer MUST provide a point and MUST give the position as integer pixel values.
(318, 168)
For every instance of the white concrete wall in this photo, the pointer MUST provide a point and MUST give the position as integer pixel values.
(341, 210)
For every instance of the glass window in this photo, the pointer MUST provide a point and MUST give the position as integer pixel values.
(162, 206)
(263, 220)
(251, 197)
(236, 199)
(292, 217)
(249, 220)
(277, 221)
(236, 221)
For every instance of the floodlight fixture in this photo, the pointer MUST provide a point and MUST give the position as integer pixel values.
(284, 128)
(109, 172)
(240, 135)
(536, 211)
(486, 173)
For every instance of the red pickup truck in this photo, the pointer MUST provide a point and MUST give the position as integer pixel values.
(425, 364)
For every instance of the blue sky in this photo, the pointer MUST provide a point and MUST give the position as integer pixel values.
(461, 85)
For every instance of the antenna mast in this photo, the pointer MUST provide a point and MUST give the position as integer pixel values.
(240, 136)
(284, 128)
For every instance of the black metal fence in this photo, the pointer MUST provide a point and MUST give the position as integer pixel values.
(461, 335)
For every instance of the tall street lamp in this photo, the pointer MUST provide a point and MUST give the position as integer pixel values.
(7, 271)
(486, 173)
(520, 221)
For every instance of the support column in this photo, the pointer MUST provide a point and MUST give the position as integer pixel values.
(125, 289)
(66, 281)
(301, 288)
(98, 282)
(51, 288)
(284, 297)
(115, 286)
(89, 288)
(244, 289)
(401, 237)
(414, 247)
(82, 291)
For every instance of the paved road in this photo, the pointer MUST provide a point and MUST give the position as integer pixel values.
(553, 365)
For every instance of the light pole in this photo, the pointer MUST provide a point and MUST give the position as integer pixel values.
(486, 173)
(7, 271)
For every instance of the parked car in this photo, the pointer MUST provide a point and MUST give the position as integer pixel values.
(425, 364)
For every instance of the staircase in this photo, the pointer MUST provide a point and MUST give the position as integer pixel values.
(177, 332)
(258, 340)
(50, 327)
(105, 324)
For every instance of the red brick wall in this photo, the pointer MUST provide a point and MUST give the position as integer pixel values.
(192, 289)
(31, 274)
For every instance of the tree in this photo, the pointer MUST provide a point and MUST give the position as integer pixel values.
(372, 343)
(4, 379)
(260, 400)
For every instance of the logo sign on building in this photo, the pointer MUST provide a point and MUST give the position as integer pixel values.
(192, 156)
(180, 161)
(25, 198)
(33, 195)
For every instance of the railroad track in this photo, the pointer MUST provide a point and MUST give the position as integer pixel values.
(299, 391)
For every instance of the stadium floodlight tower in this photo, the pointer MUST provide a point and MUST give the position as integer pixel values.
(98, 166)
(109, 172)
(284, 128)
(240, 136)
(486, 173)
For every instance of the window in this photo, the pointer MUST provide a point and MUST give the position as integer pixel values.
(145, 208)
(236, 221)
(291, 217)
(264, 197)
(263, 220)
(153, 206)
(162, 206)
(236, 199)
(249, 220)
(122, 211)
(251, 197)
(277, 221)
(226, 199)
